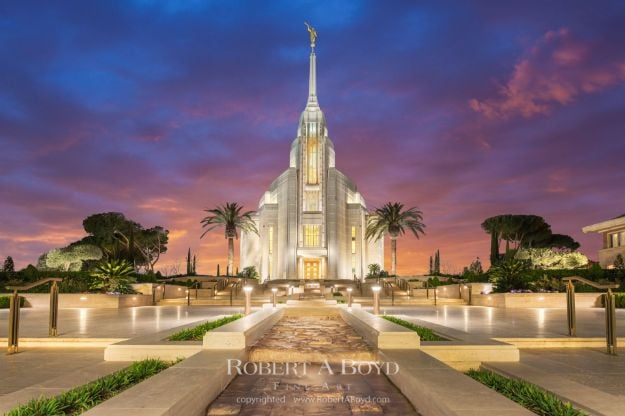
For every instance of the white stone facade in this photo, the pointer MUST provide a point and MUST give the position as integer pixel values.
(312, 220)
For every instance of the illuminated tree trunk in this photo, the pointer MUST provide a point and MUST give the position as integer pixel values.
(230, 256)
(393, 256)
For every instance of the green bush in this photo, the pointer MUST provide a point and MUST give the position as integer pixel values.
(509, 275)
(619, 300)
(83, 398)
(337, 294)
(426, 334)
(197, 333)
(526, 394)
(5, 302)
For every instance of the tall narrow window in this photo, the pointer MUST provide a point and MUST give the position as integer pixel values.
(311, 235)
(311, 201)
(614, 240)
(312, 161)
(270, 262)
(353, 251)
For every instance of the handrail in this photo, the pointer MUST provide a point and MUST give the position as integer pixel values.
(591, 283)
(35, 284)
(610, 313)
(14, 311)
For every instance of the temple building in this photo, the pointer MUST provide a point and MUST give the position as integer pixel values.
(311, 222)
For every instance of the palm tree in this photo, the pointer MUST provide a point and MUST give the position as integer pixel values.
(231, 218)
(394, 220)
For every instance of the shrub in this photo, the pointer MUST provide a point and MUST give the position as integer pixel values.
(547, 284)
(113, 276)
(197, 333)
(426, 334)
(619, 300)
(337, 294)
(509, 275)
(81, 399)
(5, 302)
(526, 394)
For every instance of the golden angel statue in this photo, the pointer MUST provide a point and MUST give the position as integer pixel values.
(313, 34)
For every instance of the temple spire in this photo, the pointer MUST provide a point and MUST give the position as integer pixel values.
(312, 78)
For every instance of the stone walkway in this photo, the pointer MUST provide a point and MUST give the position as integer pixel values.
(312, 339)
(318, 388)
(316, 393)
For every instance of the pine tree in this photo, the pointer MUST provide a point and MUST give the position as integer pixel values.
(194, 263)
(9, 265)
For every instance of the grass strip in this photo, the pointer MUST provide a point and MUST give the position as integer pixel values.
(197, 333)
(426, 334)
(82, 398)
(526, 394)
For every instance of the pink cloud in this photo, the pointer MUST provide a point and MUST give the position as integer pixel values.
(555, 71)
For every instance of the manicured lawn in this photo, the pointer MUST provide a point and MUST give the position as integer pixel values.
(426, 334)
(80, 399)
(197, 333)
(526, 394)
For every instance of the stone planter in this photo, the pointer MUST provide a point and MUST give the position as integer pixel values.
(86, 300)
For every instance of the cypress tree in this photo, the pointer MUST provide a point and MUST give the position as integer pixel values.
(431, 266)
(189, 262)
(194, 269)
(218, 270)
(9, 265)
(494, 249)
(437, 262)
(131, 247)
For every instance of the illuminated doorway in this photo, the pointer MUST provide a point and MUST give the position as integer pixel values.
(311, 269)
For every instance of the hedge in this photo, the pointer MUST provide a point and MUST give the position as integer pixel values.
(5, 302)
(80, 399)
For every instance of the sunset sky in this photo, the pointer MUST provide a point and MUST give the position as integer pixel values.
(159, 109)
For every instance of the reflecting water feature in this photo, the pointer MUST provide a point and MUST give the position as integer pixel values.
(333, 374)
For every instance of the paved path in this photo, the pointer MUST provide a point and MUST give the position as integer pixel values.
(512, 323)
(313, 339)
(589, 378)
(314, 390)
(42, 371)
(477, 320)
(110, 323)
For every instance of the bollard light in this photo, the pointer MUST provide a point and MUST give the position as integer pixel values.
(248, 299)
(376, 299)
(274, 291)
(349, 297)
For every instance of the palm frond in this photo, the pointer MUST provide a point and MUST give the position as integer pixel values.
(391, 218)
(230, 218)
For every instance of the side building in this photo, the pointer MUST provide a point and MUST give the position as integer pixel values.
(613, 237)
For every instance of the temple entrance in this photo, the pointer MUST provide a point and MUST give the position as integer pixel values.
(311, 269)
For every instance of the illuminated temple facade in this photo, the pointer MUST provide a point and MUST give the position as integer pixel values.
(311, 222)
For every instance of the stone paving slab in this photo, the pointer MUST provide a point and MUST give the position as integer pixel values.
(589, 378)
(47, 372)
